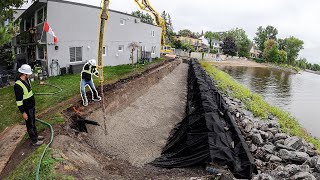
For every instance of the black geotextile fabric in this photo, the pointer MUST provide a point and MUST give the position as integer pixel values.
(208, 134)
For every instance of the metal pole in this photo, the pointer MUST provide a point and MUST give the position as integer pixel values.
(104, 18)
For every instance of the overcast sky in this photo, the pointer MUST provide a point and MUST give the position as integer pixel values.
(291, 17)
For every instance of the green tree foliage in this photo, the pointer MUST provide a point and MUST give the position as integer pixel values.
(272, 54)
(177, 44)
(7, 9)
(187, 47)
(302, 63)
(292, 47)
(169, 27)
(209, 35)
(281, 44)
(263, 34)
(186, 33)
(241, 39)
(229, 46)
(145, 17)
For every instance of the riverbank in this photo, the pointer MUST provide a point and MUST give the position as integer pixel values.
(314, 72)
(251, 63)
(257, 105)
(277, 141)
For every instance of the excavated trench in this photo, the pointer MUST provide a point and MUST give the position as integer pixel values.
(166, 116)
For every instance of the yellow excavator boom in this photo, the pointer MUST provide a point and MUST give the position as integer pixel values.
(145, 5)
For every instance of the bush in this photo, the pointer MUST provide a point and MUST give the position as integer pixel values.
(259, 60)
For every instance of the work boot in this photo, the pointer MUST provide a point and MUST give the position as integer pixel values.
(85, 103)
(38, 143)
(40, 137)
(97, 99)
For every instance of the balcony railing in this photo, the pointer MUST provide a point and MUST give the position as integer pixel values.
(31, 36)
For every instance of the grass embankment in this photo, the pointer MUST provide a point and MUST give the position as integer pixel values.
(256, 104)
(27, 168)
(70, 85)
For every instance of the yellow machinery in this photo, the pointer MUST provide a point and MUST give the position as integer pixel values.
(145, 5)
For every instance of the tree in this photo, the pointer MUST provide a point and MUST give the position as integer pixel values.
(187, 46)
(263, 34)
(145, 17)
(229, 46)
(292, 47)
(133, 46)
(7, 9)
(186, 33)
(281, 44)
(271, 52)
(283, 56)
(209, 37)
(241, 39)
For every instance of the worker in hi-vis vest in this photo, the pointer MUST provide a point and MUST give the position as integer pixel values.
(86, 80)
(26, 103)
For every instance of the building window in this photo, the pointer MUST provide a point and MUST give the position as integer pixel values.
(18, 50)
(104, 51)
(75, 54)
(122, 22)
(41, 15)
(40, 52)
(153, 49)
(152, 33)
(121, 48)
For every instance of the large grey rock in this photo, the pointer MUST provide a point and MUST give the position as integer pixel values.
(264, 126)
(294, 142)
(293, 156)
(247, 113)
(274, 130)
(316, 175)
(273, 124)
(280, 136)
(274, 158)
(263, 176)
(257, 139)
(248, 126)
(269, 148)
(292, 169)
(281, 146)
(253, 148)
(280, 141)
(303, 176)
(315, 163)
(264, 134)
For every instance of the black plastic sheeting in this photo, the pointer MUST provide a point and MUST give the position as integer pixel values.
(208, 134)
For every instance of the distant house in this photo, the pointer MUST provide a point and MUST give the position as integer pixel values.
(76, 26)
(195, 42)
(254, 51)
(215, 44)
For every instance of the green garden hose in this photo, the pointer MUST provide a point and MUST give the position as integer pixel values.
(51, 129)
(45, 149)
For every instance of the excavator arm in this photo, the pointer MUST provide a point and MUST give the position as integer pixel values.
(145, 5)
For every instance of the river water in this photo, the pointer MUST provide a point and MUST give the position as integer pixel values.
(298, 94)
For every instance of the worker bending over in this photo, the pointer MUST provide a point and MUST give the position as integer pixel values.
(86, 80)
(26, 103)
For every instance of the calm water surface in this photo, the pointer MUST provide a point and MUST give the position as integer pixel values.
(298, 94)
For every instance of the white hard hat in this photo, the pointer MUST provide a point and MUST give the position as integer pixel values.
(25, 69)
(93, 62)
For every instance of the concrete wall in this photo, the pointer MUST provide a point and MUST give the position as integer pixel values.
(77, 25)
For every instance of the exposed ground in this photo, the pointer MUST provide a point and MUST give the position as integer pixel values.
(139, 132)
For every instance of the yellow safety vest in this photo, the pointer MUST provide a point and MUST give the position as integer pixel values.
(87, 71)
(26, 93)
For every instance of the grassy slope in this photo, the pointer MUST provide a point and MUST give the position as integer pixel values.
(256, 104)
(69, 84)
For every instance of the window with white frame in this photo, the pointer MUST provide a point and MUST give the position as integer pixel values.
(75, 54)
(153, 49)
(122, 22)
(121, 48)
(153, 33)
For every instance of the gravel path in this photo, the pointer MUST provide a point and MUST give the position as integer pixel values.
(139, 132)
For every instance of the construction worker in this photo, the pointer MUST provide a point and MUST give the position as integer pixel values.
(26, 103)
(86, 80)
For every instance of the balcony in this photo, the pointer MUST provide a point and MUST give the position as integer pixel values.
(32, 36)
